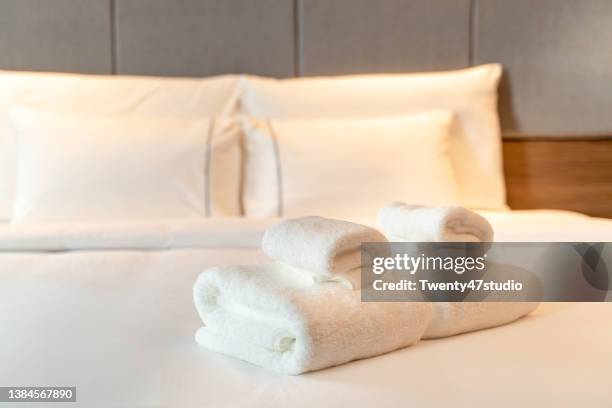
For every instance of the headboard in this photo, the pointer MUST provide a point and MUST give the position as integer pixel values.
(556, 54)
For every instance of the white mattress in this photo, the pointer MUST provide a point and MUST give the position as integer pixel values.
(119, 323)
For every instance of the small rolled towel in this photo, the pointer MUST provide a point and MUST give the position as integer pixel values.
(278, 320)
(413, 223)
(402, 222)
(323, 248)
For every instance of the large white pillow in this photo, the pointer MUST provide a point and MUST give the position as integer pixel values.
(74, 169)
(97, 95)
(346, 168)
(471, 93)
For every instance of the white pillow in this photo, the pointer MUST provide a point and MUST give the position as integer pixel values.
(346, 168)
(98, 169)
(471, 93)
(96, 95)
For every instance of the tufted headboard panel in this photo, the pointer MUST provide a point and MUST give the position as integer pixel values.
(557, 54)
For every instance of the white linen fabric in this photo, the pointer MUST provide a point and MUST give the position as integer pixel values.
(414, 223)
(322, 248)
(548, 226)
(94, 95)
(346, 168)
(119, 325)
(82, 169)
(217, 232)
(268, 316)
(471, 93)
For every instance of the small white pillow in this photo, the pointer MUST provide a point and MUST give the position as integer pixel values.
(104, 95)
(346, 168)
(99, 169)
(470, 93)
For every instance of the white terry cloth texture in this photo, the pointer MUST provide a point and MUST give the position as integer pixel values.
(451, 318)
(278, 320)
(323, 248)
(415, 223)
(403, 222)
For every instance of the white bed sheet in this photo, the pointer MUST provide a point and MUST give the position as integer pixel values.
(119, 325)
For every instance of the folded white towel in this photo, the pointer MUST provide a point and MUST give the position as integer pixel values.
(279, 320)
(413, 223)
(325, 249)
(451, 318)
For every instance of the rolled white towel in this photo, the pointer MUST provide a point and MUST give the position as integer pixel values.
(280, 321)
(413, 223)
(403, 222)
(451, 318)
(323, 248)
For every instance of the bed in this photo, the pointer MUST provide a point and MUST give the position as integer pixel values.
(106, 305)
(119, 325)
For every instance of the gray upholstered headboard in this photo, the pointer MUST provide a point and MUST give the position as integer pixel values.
(557, 53)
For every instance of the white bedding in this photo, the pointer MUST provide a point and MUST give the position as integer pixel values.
(119, 325)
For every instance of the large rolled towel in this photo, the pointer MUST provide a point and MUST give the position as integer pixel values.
(495, 309)
(323, 248)
(280, 321)
(413, 223)
(451, 318)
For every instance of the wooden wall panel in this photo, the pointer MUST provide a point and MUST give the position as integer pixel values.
(561, 174)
